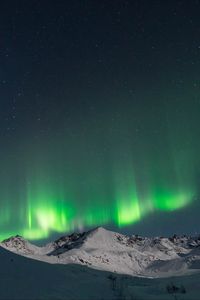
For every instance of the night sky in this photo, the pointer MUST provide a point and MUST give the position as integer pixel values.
(100, 116)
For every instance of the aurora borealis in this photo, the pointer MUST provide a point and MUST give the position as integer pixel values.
(100, 115)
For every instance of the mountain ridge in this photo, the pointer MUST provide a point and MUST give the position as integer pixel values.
(107, 250)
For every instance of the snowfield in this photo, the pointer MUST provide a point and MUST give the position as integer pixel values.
(100, 264)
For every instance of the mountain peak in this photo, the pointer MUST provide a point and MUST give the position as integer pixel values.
(90, 239)
(99, 237)
(99, 230)
(16, 239)
(18, 244)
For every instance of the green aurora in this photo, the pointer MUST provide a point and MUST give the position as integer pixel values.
(62, 186)
(55, 215)
(50, 208)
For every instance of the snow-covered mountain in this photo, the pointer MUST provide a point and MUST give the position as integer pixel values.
(110, 251)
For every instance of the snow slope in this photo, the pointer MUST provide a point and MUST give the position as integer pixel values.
(23, 278)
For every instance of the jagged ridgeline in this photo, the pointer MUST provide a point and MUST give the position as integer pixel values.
(111, 251)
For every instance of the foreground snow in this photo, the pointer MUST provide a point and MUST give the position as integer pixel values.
(23, 278)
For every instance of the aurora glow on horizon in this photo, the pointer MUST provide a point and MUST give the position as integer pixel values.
(100, 116)
(49, 209)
